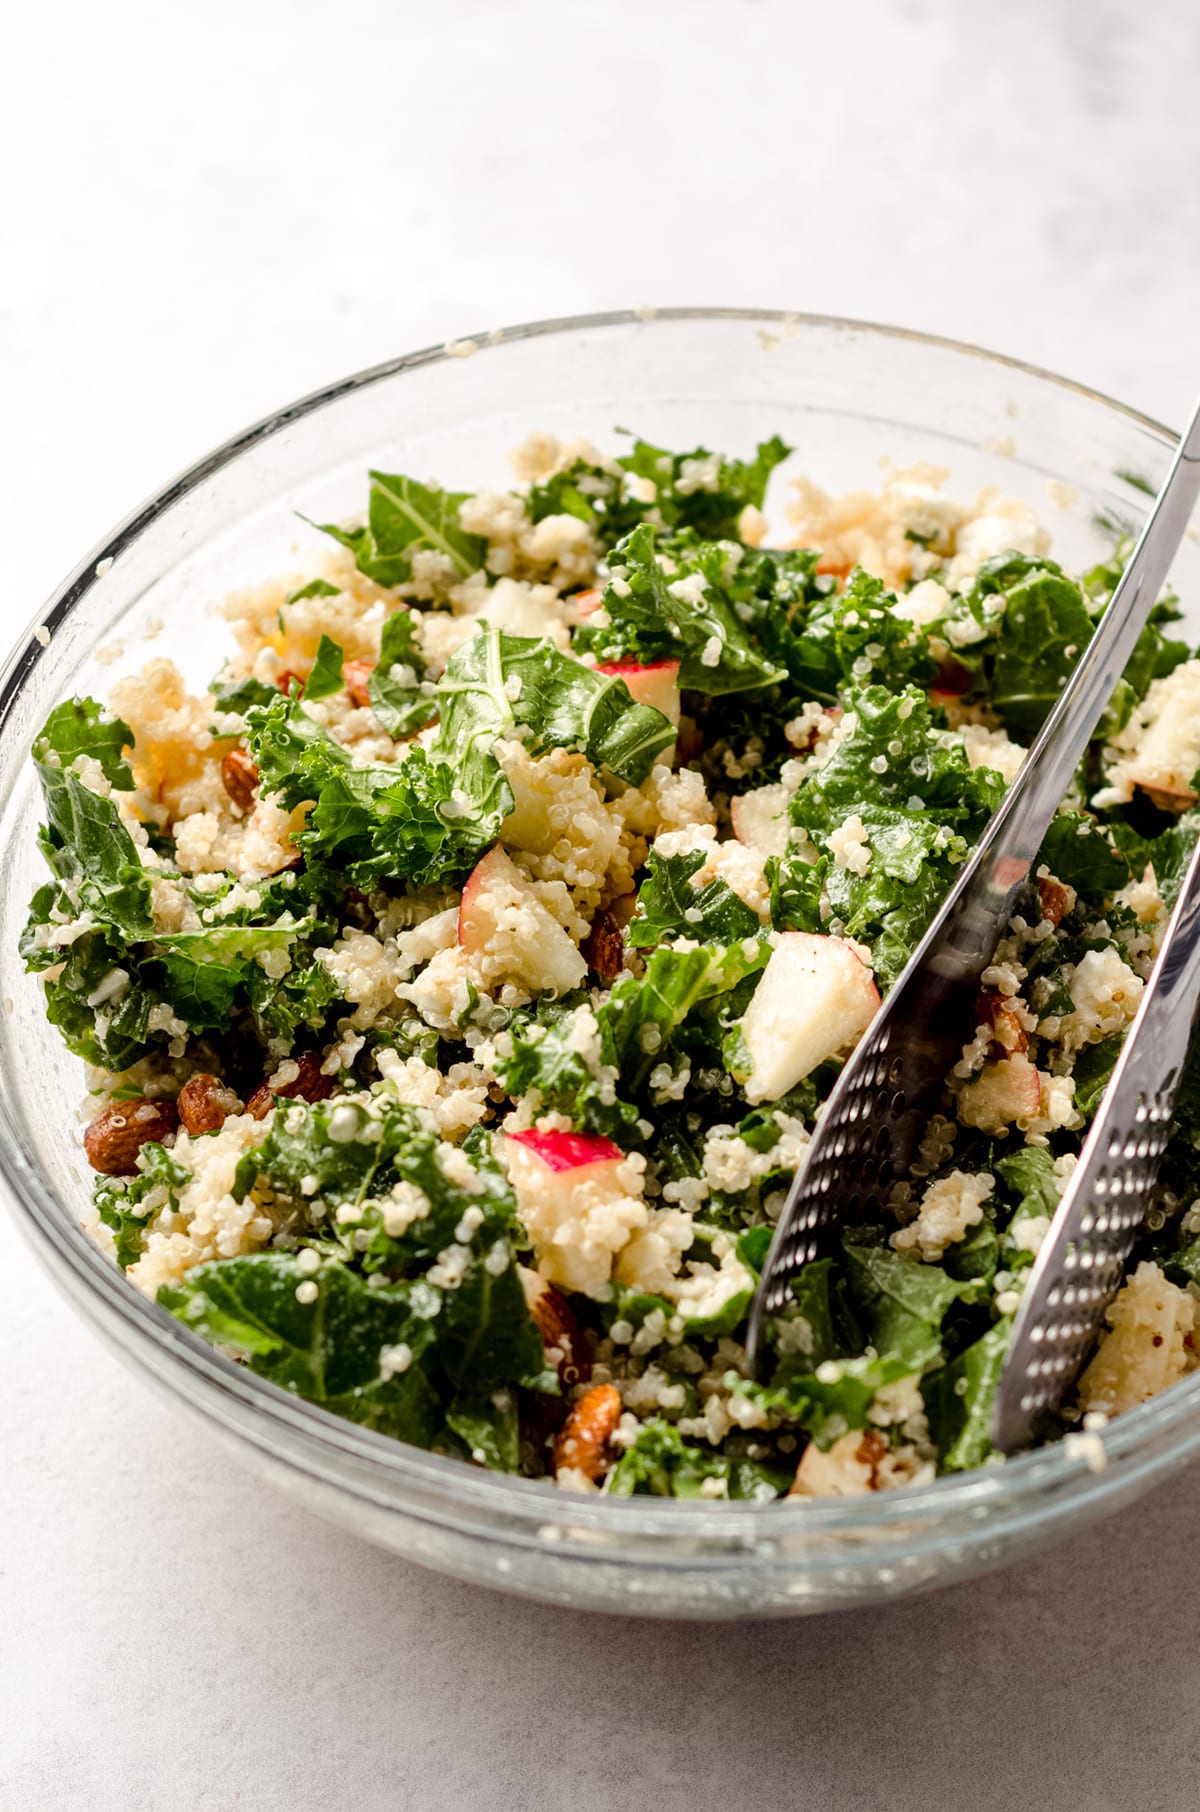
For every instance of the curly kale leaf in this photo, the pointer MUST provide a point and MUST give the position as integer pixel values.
(340, 1154)
(330, 1349)
(542, 1051)
(701, 491)
(640, 1017)
(419, 819)
(80, 726)
(85, 840)
(405, 518)
(497, 682)
(883, 1300)
(126, 1204)
(1024, 623)
(921, 805)
(383, 1169)
(704, 491)
(429, 816)
(400, 696)
(678, 607)
(845, 638)
(595, 494)
(660, 1463)
(670, 905)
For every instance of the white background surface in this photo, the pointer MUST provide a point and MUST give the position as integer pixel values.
(205, 211)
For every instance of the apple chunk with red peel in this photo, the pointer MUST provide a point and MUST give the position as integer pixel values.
(760, 819)
(656, 685)
(501, 919)
(579, 1199)
(569, 1150)
(814, 999)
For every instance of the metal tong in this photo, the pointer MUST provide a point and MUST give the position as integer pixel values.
(877, 1113)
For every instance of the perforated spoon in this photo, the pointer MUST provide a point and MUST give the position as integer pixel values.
(1082, 1257)
(873, 1121)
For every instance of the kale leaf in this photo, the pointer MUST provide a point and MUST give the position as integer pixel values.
(670, 905)
(330, 1349)
(1078, 850)
(418, 819)
(542, 1052)
(405, 518)
(400, 697)
(921, 805)
(852, 637)
(704, 491)
(316, 588)
(126, 1204)
(430, 815)
(960, 1399)
(487, 1424)
(641, 1015)
(699, 491)
(678, 607)
(80, 726)
(325, 675)
(498, 681)
(1019, 630)
(660, 1463)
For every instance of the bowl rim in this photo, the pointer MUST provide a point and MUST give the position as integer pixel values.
(993, 1495)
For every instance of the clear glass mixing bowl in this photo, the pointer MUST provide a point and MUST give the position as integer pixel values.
(845, 395)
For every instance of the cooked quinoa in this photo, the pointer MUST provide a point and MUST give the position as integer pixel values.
(461, 974)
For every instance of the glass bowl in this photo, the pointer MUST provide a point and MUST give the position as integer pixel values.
(845, 395)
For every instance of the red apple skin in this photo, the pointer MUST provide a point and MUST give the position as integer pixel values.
(655, 684)
(568, 1150)
(470, 936)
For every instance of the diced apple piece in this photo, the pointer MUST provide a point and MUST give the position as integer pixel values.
(500, 918)
(528, 825)
(587, 602)
(814, 999)
(579, 1202)
(760, 819)
(568, 1150)
(656, 685)
(1005, 1091)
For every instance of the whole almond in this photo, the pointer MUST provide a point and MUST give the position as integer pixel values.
(118, 1132)
(240, 778)
(205, 1103)
(308, 1085)
(583, 1441)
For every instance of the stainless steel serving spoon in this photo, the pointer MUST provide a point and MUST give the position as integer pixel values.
(873, 1121)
